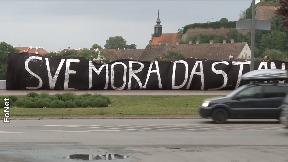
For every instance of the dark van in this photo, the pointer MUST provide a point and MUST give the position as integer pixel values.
(257, 100)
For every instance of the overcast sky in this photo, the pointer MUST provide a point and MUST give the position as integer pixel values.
(56, 25)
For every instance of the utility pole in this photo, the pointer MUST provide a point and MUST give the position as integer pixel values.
(253, 24)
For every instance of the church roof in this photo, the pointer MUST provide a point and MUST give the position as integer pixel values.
(170, 38)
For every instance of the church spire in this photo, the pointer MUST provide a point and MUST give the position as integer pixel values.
(157, 27)
(158, 19)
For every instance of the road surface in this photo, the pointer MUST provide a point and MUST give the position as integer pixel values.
(144, 140)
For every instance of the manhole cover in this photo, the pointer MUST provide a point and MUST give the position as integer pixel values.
(97, 157)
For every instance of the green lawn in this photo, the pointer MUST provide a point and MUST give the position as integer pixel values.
(123, 106)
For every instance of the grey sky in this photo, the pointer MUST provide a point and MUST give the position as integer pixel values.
(56, 25)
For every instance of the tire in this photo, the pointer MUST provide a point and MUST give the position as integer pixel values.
(219, 116)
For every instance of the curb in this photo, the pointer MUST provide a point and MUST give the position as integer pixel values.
(106, 117)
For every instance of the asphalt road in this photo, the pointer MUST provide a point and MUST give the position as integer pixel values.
(146, 140)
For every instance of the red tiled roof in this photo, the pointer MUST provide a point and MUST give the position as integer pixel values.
(31, 50)
(215, 51)
(164, 38)
(116, 54)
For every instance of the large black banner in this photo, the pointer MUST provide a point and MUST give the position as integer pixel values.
(27, 71)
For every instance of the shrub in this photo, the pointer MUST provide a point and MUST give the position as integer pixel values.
(43, 102)
(29, 104)
(57, 104)
(52, 97)
(66, 96)
(20, 102)
(12, 98)
(70, 104)
(2, 101)
(99, 102)
(104, 98)
(78, 103)
(32, 94)
(86, 95)
(44, 95)
(66, 100)
(86, 103)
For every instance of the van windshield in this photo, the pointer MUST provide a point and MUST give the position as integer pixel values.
(231, 94)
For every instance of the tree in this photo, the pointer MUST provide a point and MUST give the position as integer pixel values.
(274, 40)
(95, 46)
(283, 11)
(238, 37)
(88, 54)
(275, 54)
(205, 38)
(5, 49)
(248, 14)
(118, 42)
(131, 46)
(69, 53)
(181, 30)
(173, 56)
(224, 20)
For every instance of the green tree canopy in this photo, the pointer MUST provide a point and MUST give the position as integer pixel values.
(5, 49)
(95, 46)
(275, 54)
(283, 11)
(173, 56)
(274, 40)
(238, 37)
(224, 20)
(118, 42)
(248, 14)
(205, 38)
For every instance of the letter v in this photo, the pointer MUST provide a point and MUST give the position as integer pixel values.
(53, 80)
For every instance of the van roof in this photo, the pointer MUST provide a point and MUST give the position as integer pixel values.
(265, 74)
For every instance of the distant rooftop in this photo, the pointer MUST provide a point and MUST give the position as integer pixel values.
(32, 50)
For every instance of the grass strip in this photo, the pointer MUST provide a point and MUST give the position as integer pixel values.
(123, 106)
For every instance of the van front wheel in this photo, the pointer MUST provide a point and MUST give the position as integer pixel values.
(219, 116)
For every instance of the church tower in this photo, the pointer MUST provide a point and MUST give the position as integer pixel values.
(157, 27)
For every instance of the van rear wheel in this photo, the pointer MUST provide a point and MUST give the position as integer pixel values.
(219, 116)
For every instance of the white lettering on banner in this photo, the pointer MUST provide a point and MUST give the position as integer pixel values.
(157, 71)
(133, 75)
(174, 74)
(272, 65)
(220, 72)
(241, 68)
(33, 74)
(98, 71)
(53, 79)
(200, 73)
(68, 71)
(113, 75)
(133, 72)
(263, 64)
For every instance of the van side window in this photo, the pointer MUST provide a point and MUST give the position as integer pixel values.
(274, 91)
(251, 92)
(286, 99)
